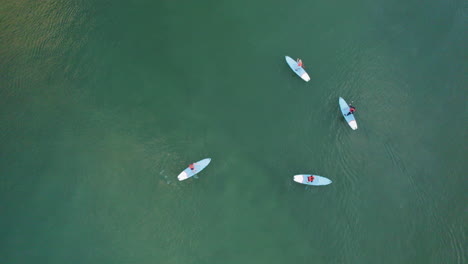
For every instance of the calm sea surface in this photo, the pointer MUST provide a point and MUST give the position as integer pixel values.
(104, 103)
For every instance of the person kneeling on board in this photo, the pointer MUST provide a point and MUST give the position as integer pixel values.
(352, 109)
(310, 178)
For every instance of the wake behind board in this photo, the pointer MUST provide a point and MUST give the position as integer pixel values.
(297, 69)
(198, 166)
(318, 180)
(344, 107)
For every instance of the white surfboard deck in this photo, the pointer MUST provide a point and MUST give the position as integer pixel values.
(344, 107)
(297, 69)
(318, 180)
(198, 166)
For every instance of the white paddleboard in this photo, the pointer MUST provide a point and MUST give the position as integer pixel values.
(344, 107)
(198, 166)
(318, 180)
(297, 69)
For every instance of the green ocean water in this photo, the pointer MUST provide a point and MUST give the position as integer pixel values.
(104, 103)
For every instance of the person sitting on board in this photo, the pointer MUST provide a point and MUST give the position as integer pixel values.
(310, 178)
(192, 166)
(352, 109)
(299, 62)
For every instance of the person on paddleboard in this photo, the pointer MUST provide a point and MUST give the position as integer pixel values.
(299, 62)
(352, 109)
(310, 178)
(192, 166)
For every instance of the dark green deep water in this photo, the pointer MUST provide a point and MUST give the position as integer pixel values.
(103, 103)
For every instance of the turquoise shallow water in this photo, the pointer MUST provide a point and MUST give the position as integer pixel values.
(104, 103)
